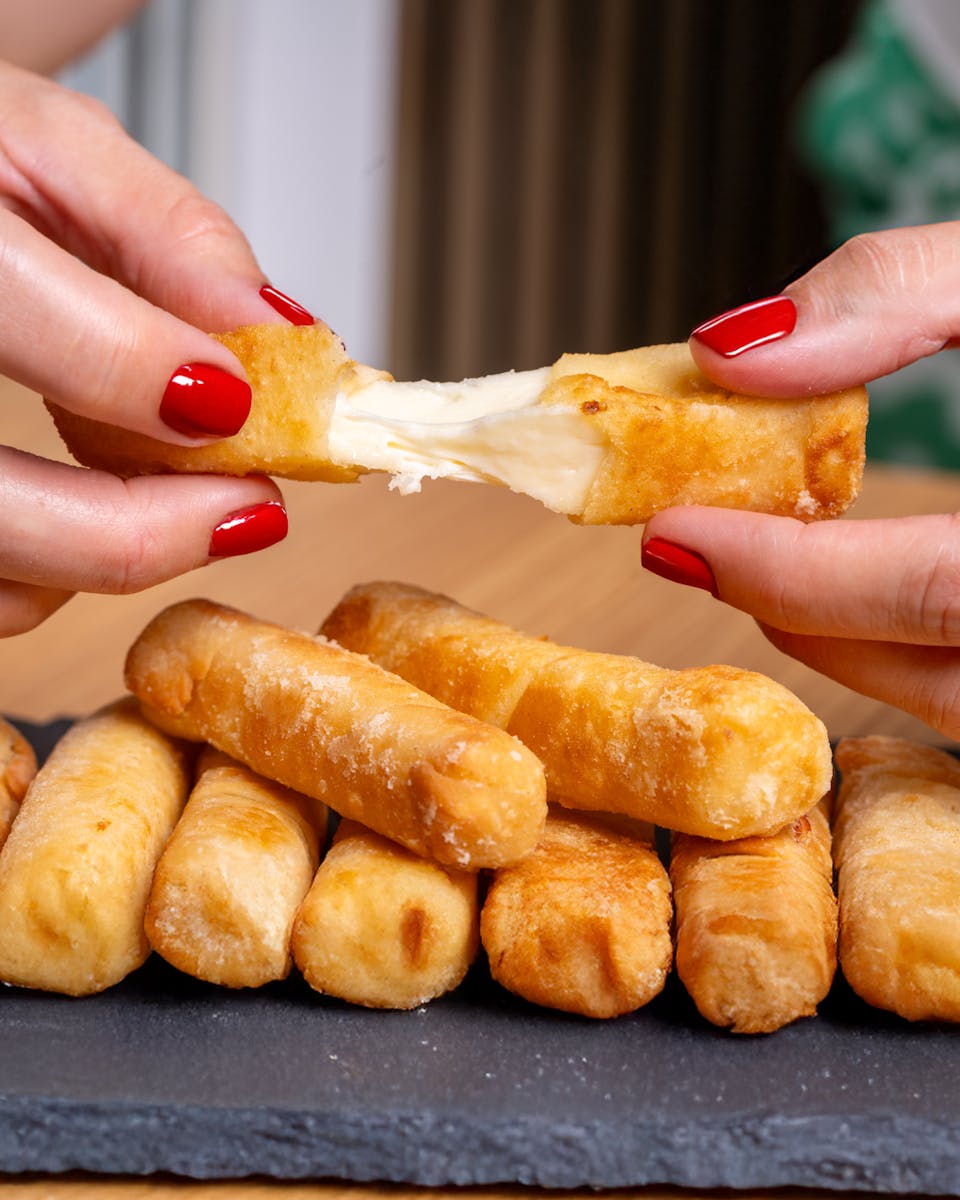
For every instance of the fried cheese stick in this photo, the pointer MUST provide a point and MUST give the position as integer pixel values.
(232, 876)
(897, 850)
(756, 924)
(338, 728)
(18, 765)
(713, 751)
(383, 927)
(75, 872)
(606, 439)
(583, 923)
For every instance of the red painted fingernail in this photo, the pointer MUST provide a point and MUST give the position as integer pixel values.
(748, 326)
(295, 313)
(249, 529)
(678, 564)
(203, 401)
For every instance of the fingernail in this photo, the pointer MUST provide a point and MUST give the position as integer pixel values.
(295, 313)
(249, 529)
(203, 401)
(678, 564)
(748, 326)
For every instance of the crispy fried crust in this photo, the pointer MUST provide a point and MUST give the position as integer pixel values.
(583, 923)
(75, 872)
(713, 751)
(294, 373)
(336, 727)
(672, 436)
(676, 438)
(18, 765)
(897, 851)
(232, 876)
(756, 924)
(383, 927)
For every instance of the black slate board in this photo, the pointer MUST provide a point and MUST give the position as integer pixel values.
(166, 1074)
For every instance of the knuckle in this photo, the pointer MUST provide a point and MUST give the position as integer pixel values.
(928, 601)
(936, 700)
(109, 388)
(196, 223)
(24, 607)
(132, 550)
(96, 111)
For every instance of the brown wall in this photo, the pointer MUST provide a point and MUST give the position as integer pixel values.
(596, 174)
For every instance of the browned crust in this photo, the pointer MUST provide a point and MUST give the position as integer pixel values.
(756, 924)
(383, 927)
(897, 851)
(583, 923)
(336, 727)
(232, 876)
(75, 872)
(294, 373)
(714, 751)
(18, 766)
(796, 458)
(672, 437)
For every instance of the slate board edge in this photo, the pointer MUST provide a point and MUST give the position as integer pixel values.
(893, 1155)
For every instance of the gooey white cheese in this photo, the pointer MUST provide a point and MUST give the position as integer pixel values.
(489, 430)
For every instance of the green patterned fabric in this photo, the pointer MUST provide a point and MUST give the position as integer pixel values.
(884, 138)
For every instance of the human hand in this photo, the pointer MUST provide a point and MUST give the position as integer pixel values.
(111, 265)
(872, 604)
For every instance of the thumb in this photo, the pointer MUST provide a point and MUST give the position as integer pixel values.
(881, 301)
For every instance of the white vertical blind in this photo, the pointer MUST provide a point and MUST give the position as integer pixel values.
(283, 112)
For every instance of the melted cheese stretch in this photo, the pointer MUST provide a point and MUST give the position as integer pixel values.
(489, 430)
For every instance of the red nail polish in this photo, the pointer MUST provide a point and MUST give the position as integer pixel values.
(249, 529)
(295, 313)
(748, 326)
(203, 401)
(677, 564)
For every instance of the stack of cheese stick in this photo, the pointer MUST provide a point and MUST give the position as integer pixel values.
(191, 819)
(726, 757)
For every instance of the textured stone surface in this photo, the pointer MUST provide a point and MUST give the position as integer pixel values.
(165, 1074)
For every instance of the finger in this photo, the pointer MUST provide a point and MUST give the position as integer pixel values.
(921, 680)
(894, 580)
(94, 347)
(879, 302)
(72, 529)
(106, 199)
(23, 606)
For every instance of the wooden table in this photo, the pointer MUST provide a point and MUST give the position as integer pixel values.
(495, 551)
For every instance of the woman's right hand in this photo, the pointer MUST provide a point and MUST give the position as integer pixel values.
(873, 604)
(111, 266)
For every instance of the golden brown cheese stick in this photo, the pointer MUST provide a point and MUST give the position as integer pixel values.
(897, 851)
(714, 751)
(383, 927)
(583, 923)
(606, 439)
(338, 728)
(756, 924)
(232, 876)
(75, 872)
(18, 765)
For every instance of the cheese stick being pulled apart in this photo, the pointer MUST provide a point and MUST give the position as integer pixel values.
(756, 924)
(18, 765)
(232, 876)
(383, 927)
(338, 728)
(606, 439)
(714, 751)
(583, 923)
(75, 872)
(897, 850)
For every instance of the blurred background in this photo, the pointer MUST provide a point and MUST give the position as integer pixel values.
(464, 186)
